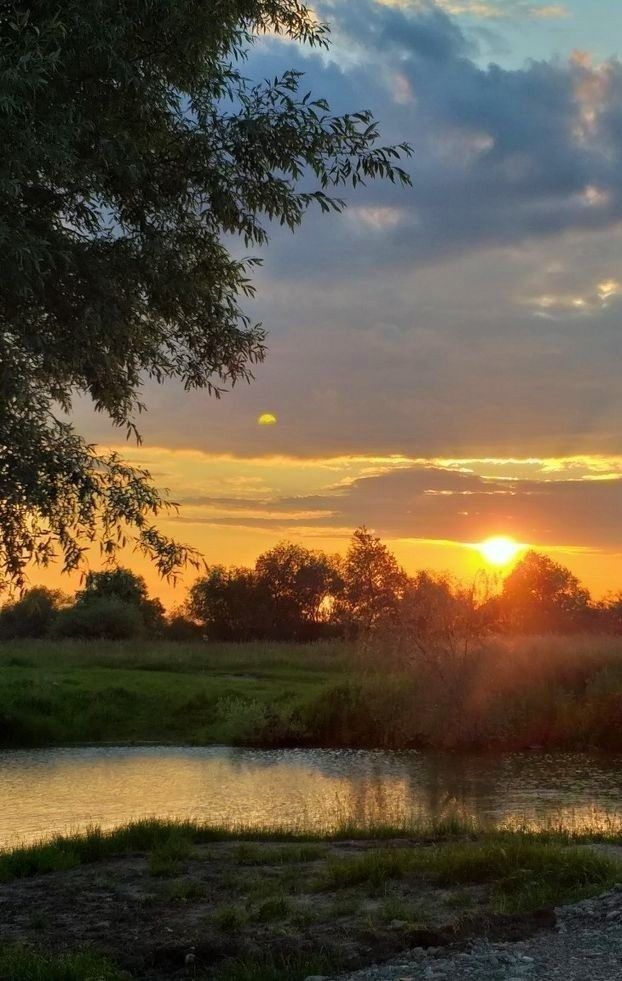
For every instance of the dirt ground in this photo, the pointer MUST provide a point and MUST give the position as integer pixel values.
(167, 916)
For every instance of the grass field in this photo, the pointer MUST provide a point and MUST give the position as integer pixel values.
(277, 905)
(552, 692)
(71, 692)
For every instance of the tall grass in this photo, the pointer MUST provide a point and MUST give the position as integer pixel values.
(172, 840)
(511, 693)
(21, 964)
(526, 873)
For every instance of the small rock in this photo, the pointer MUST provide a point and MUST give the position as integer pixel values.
(398, 924)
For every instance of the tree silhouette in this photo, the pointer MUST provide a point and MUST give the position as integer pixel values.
(539, 595)
(373, 582)
(301, 584)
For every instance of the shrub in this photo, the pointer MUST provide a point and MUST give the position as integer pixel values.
(182, 628)
(32, 615)
(126, 587)
(106, 618)
(372, 713)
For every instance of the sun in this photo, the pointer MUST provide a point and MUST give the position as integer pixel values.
(499, 550)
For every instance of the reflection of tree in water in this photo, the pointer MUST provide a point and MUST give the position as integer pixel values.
(424, 786)
(392, 786)
(336, 786)
(374, 797)
(470, 787)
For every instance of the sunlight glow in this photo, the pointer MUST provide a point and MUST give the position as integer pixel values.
(499, 550)
(266, 419)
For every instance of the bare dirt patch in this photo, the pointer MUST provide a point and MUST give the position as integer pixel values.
(174, 914)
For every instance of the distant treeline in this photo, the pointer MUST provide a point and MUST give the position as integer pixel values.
(295, 594)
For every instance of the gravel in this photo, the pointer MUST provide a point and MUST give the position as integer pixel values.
(585, 946)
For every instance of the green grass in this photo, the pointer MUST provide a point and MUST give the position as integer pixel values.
(273, 908)
(165, 857)
(230, 918)
(63, 692)
(185, 890)
(173, 841)
(284, 881)
(397, 908)
(21, 964)
(526, 874)
(292, 967)
(248, 853)
(554, 692)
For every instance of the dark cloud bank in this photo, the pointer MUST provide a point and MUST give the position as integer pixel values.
(464, 316)
(501, 155)
(435, 503)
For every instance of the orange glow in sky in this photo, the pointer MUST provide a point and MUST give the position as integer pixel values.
(449, 515)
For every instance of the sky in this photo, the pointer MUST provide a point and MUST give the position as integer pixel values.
(444, 360)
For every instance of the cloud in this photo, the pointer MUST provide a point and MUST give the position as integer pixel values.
(476, 314)
(503, 156)
(598, 298)
(549, 502)
(432, 503)
(491, 9)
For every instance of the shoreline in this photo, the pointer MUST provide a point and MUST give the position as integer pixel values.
(248, 905)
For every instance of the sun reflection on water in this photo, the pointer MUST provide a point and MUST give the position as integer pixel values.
(48, 791)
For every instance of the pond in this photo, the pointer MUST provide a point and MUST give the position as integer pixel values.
(52, 790)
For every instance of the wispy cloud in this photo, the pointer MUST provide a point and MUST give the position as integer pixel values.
(489, 9)
(569, 501)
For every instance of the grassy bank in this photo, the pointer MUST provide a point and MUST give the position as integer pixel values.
(179, 899)
(549, 692)
(54, 693)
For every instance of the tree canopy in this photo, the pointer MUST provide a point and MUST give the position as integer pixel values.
(137, 149)
(540, 594)
(293, 593)
(374, 580)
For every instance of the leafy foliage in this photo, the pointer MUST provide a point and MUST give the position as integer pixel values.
(285, 597)
(32, 615)
(293, 593)
(103, 618)
(229, 604)
(540, 594)
(137, 147)
(374, 583)
(300, 585)
(126, 587)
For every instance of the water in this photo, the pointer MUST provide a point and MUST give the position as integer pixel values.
(54, 790)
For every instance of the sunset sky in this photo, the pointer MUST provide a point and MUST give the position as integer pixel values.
(444, 361)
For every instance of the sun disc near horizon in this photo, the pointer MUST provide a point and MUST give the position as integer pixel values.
(499, 550)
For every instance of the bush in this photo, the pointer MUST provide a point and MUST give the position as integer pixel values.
(128, 588)
(376, 713)
(106, 618)
(30, 616)
(183, 629)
